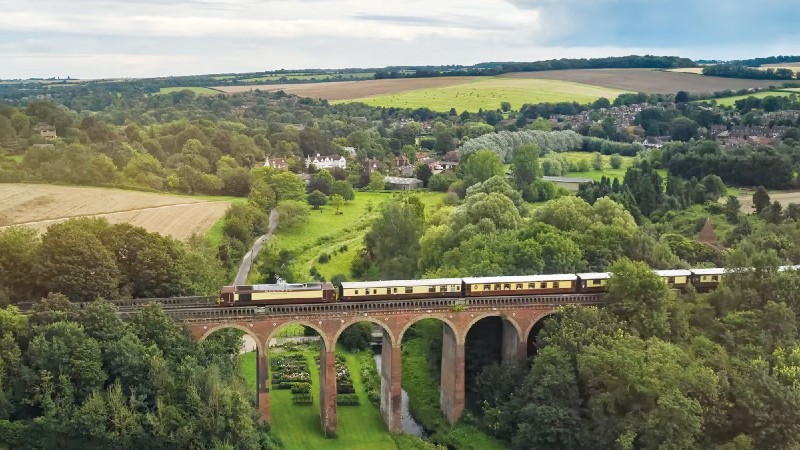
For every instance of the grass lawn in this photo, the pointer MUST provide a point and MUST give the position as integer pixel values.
(326, 232)
(607, 171)
(196, 90)
(359, 427)
(731, 101)
(489, 92)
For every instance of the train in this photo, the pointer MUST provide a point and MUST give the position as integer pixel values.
(703, 280)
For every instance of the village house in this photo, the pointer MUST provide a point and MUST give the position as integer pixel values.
(326, 162)
(277, 163)
(373, 165)
(402, 160)
(46, 131)
(402, 183)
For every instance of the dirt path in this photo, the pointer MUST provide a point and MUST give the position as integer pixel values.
(250, 256)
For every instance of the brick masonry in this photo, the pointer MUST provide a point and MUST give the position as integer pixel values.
(518, 321)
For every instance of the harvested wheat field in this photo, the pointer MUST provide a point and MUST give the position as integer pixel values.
(346, 90)
(40, 205)
(647, 80)
(782, 197)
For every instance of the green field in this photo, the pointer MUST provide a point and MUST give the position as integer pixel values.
(731, 101)
(326, 232)
(489, 92)
(359, 427)
(310, 76)
(196, 90)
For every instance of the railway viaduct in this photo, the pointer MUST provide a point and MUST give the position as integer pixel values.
(458, 315)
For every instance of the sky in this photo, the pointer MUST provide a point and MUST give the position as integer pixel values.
(144, 38)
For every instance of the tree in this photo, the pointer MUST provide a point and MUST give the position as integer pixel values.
(18, 251)
(597, 161)
(377, 181)
(337, 201)
(317, 199)
(505, 106)
(424, 173)
(525, 163)
(344, 189)
(683, 128)
(393, 240)
(480, 166)
(639, 296)
(682, 97)
(321, 181)
(760, 200)
(732, 209)
(75, 263)
(775, 212)
(288, 186)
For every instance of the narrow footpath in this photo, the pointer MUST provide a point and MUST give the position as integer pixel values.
(250, 256)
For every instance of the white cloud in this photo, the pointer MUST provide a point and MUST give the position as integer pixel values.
(117, 38)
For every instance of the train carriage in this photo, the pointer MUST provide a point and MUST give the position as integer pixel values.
(705, 280)
(593, 282)
(399, 289)
(278, 294)
(676, 279)
(520, 285)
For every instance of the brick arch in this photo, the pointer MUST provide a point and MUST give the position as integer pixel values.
(416, 319)
(247, 331)
(347, 323)
(316, 328)
(503, 316)
(538, 319)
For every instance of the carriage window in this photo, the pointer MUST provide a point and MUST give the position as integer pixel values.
(487, 287)
(356, 291)
(671, 280)
(519, 285)
(507, 286)
(555, 284)
(443, 289)
(542, 285)
(496, 287)
(409, 290)
(432, 289)
(375, 291)
(458, 288)
(389, 290)
(714, 278)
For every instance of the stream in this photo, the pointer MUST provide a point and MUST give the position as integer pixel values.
(407, 423)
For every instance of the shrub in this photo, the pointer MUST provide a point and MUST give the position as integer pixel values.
(302, 399)
(347, 400)
(301, 388)
(616, 161)
(323, 258)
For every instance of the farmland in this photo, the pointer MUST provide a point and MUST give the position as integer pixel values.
(39, 206)
(346, 90)
(310, 77)
(694, 70)
(196, 90)
(730, 101)
(646, 80)
(489, 92)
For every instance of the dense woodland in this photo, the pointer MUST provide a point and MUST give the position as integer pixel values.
(653, 369)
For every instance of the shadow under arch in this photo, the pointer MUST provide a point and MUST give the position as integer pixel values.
(444, 320)
(222, 326)
(348, 323)
(504, 317)
(533, 331)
